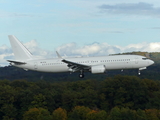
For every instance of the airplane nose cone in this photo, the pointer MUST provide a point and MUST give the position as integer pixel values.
(151, 62)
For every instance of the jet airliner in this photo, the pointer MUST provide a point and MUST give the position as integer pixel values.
(24, 59)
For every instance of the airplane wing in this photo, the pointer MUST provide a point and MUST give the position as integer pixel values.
(76, 66)
(16, 62)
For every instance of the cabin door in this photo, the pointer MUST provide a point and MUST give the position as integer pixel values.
(136, 60)
(35, 66)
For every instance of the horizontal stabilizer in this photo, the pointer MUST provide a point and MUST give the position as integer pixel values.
(16, 61)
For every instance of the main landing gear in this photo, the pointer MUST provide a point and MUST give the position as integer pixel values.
(139, 73)
(81, 75)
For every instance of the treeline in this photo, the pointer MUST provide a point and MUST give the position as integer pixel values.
(13, 73)
(85, 113)
(120, 97)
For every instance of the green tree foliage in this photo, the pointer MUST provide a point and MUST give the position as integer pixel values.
(127, 114)
(37, 114)
(39, 101)
(152, 114)
(141, 115)
(7, 99)
(96, 115)
(153, 88)
(79, 113)
(80, 93)
(9, 110)
(92, 115)
(115, 114)
(124, 91)
(59, 114)
(119, 96)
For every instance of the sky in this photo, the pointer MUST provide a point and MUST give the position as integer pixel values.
(80, 27)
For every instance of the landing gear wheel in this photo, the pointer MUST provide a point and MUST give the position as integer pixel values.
(81, 75)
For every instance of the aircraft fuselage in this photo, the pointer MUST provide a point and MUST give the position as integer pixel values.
(109, 62)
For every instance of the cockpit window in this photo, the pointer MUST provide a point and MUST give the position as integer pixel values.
(144, 58)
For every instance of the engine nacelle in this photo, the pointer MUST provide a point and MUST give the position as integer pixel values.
(98, 69)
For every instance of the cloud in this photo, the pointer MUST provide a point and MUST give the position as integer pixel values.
(140, 8)
(72, 49)
(34, 48)
(5, 53)
(87, 50)
(98, 49)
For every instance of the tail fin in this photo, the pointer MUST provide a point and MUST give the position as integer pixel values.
(20, 51)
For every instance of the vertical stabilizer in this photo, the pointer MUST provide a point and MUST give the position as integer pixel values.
(20, 51)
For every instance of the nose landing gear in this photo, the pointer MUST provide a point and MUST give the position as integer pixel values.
(143, 68)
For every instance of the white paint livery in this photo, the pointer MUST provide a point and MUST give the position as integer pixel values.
(25, 60)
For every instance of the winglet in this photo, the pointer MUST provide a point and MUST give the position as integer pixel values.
(58, 55)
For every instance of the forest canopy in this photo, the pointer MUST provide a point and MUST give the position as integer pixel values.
(119, 96)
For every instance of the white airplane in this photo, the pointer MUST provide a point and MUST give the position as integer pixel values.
(24, 59)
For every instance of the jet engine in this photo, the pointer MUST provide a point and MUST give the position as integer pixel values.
(98, 69)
